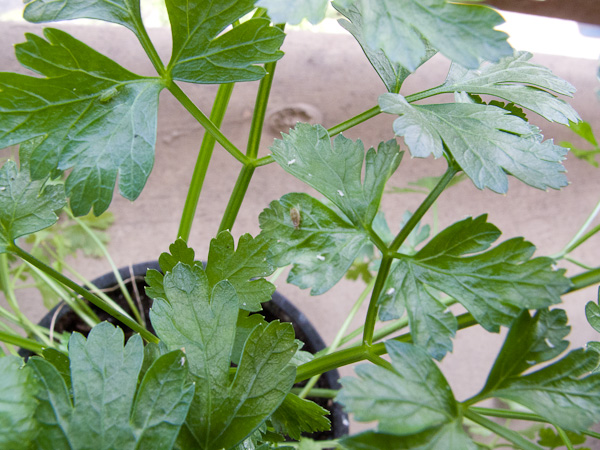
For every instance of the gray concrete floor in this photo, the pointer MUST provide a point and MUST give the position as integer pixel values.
(329, 73)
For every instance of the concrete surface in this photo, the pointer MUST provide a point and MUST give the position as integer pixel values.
(330, 73)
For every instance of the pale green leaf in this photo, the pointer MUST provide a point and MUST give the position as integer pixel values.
(244, 267)
(492, 284)
(204, 51)
(392, 74)
(336, 170)
(18, 403)
(26, 206)
(297, 415)
(123, 12)
(592, 313)
(463, 32)
(322, 247)
(93, 115)
(519, 81)
(487, 142)
(283, 11)
(412, 397)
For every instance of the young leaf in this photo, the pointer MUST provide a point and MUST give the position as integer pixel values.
(492, 285)
(392, 74)
(203, 52)
(322, 248)
(485, 141)
(336, 170)
(17, 404)
(549, 438)
(564, 392)
(462, 32)
(94, 116)
(297, 415)
(282, 11)
(412, 397)
(245, 268)
(178, 252)
(224, 411)
(26, 206)
(122, 12)
(519, 81)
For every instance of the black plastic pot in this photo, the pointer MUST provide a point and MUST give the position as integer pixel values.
(64, 319)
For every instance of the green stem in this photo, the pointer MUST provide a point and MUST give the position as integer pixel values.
(452, 170)
(207, 123)
(352, 122)
(265, 160)
(371, 319)
(585, 279)
(583, 238)
(148, 47)
(204, 156)
(509, 435)
(237, 196)
(113, 266)
(578, 263)
(564, 438)
(126, 320)
(317, 392)
(578, 239)
(20, 341)
(340, 334)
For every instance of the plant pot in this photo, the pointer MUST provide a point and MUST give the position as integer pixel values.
(65, 320)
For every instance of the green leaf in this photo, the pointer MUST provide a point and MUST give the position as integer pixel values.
(61, 362)
(122, 12)
(322, 248)
(245, 268)
(530, 341)
(518, 81)
(336, 170)
(462, 32)
(26, 206)
(549, 438)
(392, 74)
(592, 313)
(203, 322)
(493, 285)
(18, 403)
(297, 415)
(487, 142)
(94, 116)
(178, 252)
(412, 397)
(564, 393)
(162, 402)
(204, 52)
(282, 11)
(450, 436)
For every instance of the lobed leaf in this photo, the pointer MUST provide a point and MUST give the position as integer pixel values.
(90, 114)
(412, 397)
(336, 170)
(205, 52)
(26, 206)
(322, 247)
(297, 415)
(463, 32)
(518, 81)
(487, 142)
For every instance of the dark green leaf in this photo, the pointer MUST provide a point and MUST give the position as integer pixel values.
(392, 75)
(178, 252)
(592, 313)
(519, 81)
(297, 415)
(123, 12)
(486, 141)
(530, 341)
(283, 11)
(94, 116)
(204, 52)
(494, 284)
(412, 397)
(61, 362)
(162, 402)
(322, 247)
(245, 325)
(462, 32)
(26, 206)
(549, 438)
(245, 268)
(336, 170)
(18, 390)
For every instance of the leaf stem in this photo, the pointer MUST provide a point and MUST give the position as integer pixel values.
(585, 279)
(579, 238)
(204, 156)
(126, 320)
(452, 170)
(509, 435)
(371, 319)
(20, 341)
(208, 125)
(148, 47)
(352, 122)
(237, 197)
